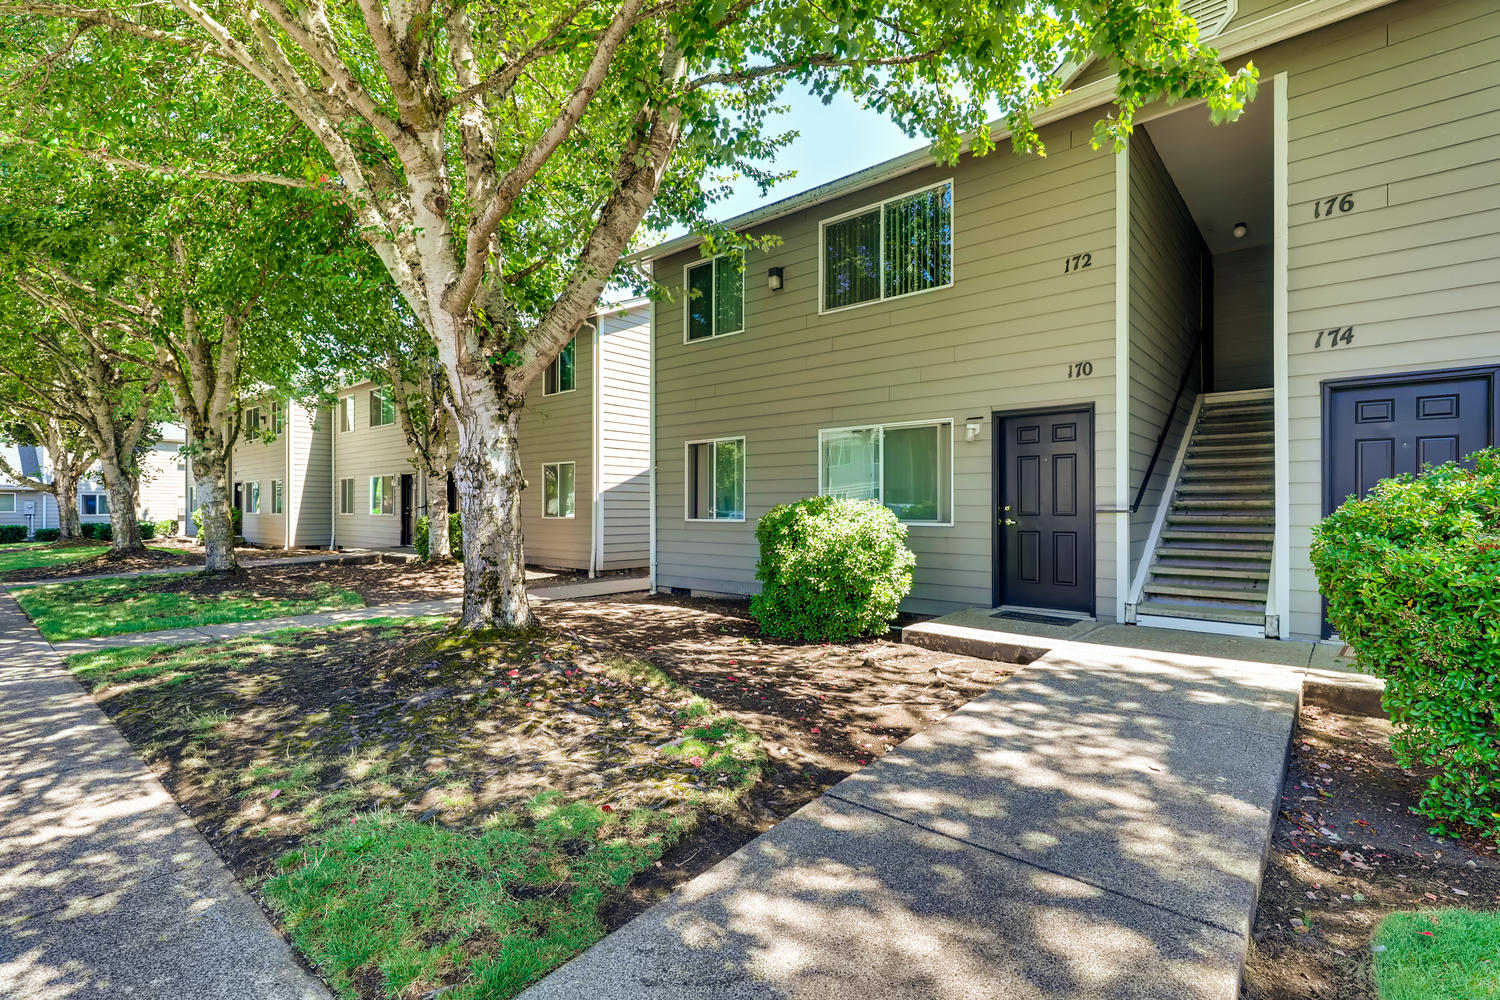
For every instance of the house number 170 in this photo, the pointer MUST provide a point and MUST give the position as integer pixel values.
(1080, 369)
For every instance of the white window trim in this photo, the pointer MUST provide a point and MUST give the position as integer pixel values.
(371, 505)
(897, 425)
(687, 447)
(347, 404)
(353, 502)
(383, 392)
(823, 224)
(14, 502)
(557, 361)
(559, 517)
(277, 486)
(687, 299)
(83, 500)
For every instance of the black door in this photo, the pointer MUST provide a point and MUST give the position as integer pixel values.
(1378, 428)
(1046, 479)
(239, 496)
(408, 513)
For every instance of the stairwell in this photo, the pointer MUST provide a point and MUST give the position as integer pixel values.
(1212, 561)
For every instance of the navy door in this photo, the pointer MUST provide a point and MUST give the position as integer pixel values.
(1376, 429)
(1046, 480)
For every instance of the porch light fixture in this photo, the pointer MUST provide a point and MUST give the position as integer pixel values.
(773, 279)
(1240, 230)
(972, 427)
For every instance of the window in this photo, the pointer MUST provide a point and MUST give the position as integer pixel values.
(716, 480)
(558, 484)
(252, 418)
(252, 498)
(277, 495)
(94, 504)
(907, 467)
(382, 499)
(7, 503)
(346, 414)
(716, 297)
(278, 417)
(899, 247)
(562, 373)
(382, 407)
(346, 496)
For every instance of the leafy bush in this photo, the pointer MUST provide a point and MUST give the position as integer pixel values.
(455, 536)
(1412, 577)
(46, 534)
(166, 527)
(236, 518)
(830, 569)
(97, 530)
(147, 529)
(12, 533)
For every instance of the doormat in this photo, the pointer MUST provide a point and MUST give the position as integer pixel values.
(1027, 616)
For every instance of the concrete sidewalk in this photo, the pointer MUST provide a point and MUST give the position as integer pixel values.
(106, 889)
(1094, 827)
(406, 609)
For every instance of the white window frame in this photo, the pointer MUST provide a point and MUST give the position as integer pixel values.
(278, 417)
(879, 206)
(824, 432)
(559, 517)
(347, 410)
(557, 362)
(687, 298)
(386, 395)
(687, 487)
(12, 498)
(252, 418)
(278, 497)
(371, 505)
(99, 498)
(251, 497)
(350, 511)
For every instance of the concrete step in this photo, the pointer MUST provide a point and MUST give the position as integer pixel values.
(1229, 591)
(1250, 552)
(1249, 519)
(1216, 533)
(1226, 504)
(1210, 485)
(1203, 612)
(1228, 569)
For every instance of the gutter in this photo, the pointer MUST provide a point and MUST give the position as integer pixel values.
(651, 441)
(287, 482)
(596, 503)
(1299, 20)
(333, 473)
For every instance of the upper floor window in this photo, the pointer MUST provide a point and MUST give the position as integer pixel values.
(562, 373)
(346, 413)
(906, 467)
(278, 417)
(715, 297)
(252, 418)
(382, 407)
(901, 246)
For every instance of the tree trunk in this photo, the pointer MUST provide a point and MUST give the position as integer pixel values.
(211, 484)
(490, 483)
(65, 492)
(125, 531)
(438, 548)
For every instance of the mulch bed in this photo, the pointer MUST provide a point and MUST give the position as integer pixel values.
(377, 583)
(1347, 851)
(160, 554)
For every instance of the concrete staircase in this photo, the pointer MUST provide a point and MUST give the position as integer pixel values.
(1212, 562)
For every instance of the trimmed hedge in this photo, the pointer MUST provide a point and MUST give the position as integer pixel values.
(147, 530)
(830, 569)
(12, 533)
(1412, 577)
(46, 534)
(99, 531)
(166, 527)
(455, 536)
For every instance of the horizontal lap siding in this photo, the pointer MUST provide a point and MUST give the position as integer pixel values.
(1242, 319)
(160, 496)
(1398, 106)
(260, 461)
(625, 439)
(360, 454)
(1001, 338)
(1166, 262)
(560, 428)
(44, 510)
(310, 497)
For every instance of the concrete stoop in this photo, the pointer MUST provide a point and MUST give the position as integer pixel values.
(1094, 827)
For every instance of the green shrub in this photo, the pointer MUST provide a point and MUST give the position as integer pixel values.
(1412, 577)
(100, 531)
(236, 518)
(830, 569)
(12, 533)
(166, 527)
(46, 534)
(455, 536)
(147, 530)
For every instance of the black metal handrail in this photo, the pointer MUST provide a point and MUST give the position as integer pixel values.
(1166, 427)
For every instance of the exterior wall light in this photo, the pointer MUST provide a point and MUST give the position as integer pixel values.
(773, 279)
(1240, 230)
(972, 427)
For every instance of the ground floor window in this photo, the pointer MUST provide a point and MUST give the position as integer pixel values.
(276, 496)
(252, 498)
(346, 496)
(716, 480)
(382, 497)
(94, 504)
(559, 482)
(7, 503)
(908, 467)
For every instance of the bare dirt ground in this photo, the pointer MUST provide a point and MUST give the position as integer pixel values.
(159, 554)
(1347, 851)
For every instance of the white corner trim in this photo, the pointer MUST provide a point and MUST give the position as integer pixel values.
(1281, 576)
(651, 442)
(1122, 380)
(596, 501)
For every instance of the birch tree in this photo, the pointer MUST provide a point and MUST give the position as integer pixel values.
(501, 157)
(68, 450)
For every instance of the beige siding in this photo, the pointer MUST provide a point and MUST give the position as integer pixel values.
(1001, 338)
(260, 461)
(1166, 267)
(310, 490)
(624, 439)
(1399, 107)
(555, 429)
(1242, 319)
(361, 454)
(163, 481)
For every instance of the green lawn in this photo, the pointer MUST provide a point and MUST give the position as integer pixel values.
(82, 609)
(1439, 955)
(26, 555)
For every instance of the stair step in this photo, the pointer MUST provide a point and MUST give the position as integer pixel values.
(1226, 505)
(1249, 591)
(1250, 519)
(1247, 552)
(1200, 472)
(1211, 485)
(1220, 533)
(1202, 612)
(1245, 438)
(1221, 422)
(1212, 569)
(1196, 447)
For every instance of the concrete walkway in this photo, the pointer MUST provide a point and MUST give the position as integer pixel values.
(106, 889)
(1094, 827)
(406, 609)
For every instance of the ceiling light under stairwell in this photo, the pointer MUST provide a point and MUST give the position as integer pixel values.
(1240, 230)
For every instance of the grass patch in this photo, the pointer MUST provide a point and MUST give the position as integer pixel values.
(425, 811)
(1448, 954)
(30, 555)
(118, 605)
